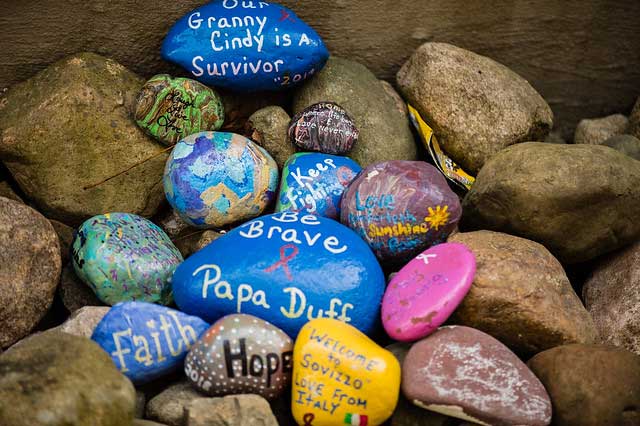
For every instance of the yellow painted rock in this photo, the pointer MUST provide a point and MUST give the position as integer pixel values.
(341, 377)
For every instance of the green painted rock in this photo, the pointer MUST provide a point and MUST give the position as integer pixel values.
(170, 109)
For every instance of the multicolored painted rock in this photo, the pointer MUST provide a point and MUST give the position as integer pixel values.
(286, 268)
(147, 341)
(125, 257)
(324, 127)
(341, 377)
(314, 183)
(241, 354)
(465, 373)
(170, 109)
(213, 179)
(245, 46)
(400, 208)
(426, 291)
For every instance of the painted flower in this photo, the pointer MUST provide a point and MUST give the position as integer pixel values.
(438, 217)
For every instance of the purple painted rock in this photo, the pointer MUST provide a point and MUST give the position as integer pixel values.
(400, 208)
(465, 373)
(241, 354)
(324, 127)
(427, 290)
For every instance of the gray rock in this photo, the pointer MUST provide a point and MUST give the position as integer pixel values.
(172, 224)
(475, 105)
(83, 321)
(29, 269)
(554, 137)
(634, 120)
(235, 410)
(65, 238)
(169, 405)
(191, 243)
(597, 130)
(268, 127)
(56, 379)
(626, 144)
(401, 105)
(141, 403)
(385, 133)
(73, 292)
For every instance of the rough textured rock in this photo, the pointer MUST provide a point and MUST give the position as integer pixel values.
(83, 321)
(554, 137)
(7, 191)
(384, 131)
(612, 296)
(391, 91)
(70, 127)
(626, 144)
(191, 243)
(236, 410)
(268, 128)
(578, 200)
(29, 269)
(65, 237)
(169, 405)
(73, 292)
(521, 295)
(169, 220)
(475, 105)
(56, 379)
(634, 120)
(140, 422)
(597, 130)
(590, 385)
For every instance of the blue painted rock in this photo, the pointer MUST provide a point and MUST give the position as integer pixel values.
(314, 183)
(400, 208)
(125, 257)
(213, 179)
(241, 354)
(245, 46)
(286, 268)
(147, 341)
(324, 127)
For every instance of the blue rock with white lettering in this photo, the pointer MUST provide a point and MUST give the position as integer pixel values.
(245, 45)
(147, 341)
(285, 268)
(314, 183)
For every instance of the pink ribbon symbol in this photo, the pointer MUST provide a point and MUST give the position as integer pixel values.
(284, 260)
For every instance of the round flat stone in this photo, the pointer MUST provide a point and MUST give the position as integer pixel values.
(325, 127)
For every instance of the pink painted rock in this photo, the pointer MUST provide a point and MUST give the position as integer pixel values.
(465, 373)
(427, 290)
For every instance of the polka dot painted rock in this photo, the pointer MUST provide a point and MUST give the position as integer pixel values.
(241, 354)
(213, 179)
(341, 377)
(170, 109)
(465, 373)
(147, 341)
(324, 127)
(125, 257)
(400, 208)
(422, 295)
(314, 183)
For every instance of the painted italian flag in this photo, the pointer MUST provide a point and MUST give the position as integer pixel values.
(356, 420)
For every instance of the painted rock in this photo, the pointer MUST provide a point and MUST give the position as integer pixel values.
(125, 257)
(170, 109)
(422, 295)
(314, 183)
(465, 373)
(286, 268)
(147, 341)
(324, 127)
(341, 377)
(400, 208)
(245, 46)
(213, 179)
(241, 354)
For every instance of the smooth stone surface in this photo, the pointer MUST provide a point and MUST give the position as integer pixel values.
(241, 354)
(83, 322)
(56, 379)
(268, 127)
(499, 107)
(521, 295)
(597, 130)
(73, 293)
(626, 144)
(577, 200)
(400, 208)
(314, 183)
(235, 410)
(634, 120)
(340, 376)
(29, 269)
(465, 373)
(213, 179)
(292, 268)
(591, 385)
(146, 341)
(424, 293)
(65, 238)
(170, 109)
(124, 257)
(324, 127)
(245, 46)
(170, 404)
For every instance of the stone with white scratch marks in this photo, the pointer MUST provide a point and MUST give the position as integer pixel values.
(241, 354)
(324, 127)
(465, 373)
(146, 341)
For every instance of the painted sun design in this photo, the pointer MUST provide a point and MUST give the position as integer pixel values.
(438, 217)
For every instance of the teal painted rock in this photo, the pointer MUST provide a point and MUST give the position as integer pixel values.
(170, 109)
(124, 257)
(213, 179)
